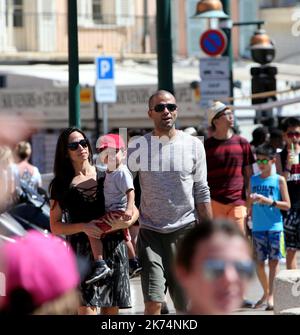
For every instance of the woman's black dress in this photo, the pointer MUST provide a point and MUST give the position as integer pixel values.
(83, 205)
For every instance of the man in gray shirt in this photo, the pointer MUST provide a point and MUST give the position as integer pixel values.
(174, 195)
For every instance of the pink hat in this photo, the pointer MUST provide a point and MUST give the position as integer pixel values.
(110, 141)
(42, 265)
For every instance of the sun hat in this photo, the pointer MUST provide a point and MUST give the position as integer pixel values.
(216, 108)
(110, 141)
(42, 265)
(191, 131)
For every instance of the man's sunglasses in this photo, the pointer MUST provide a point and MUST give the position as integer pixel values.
(215, 268)
(161, 107)
(292, 134)
(262, 161)
(74, 145)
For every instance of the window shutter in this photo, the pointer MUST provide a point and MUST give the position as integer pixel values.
(124, 12)
(84, 11)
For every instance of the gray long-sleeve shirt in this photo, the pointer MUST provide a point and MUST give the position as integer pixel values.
(173, 178)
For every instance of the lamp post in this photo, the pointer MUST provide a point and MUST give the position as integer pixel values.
(164, 45)
(226, 25)
(74, 87)
(263, 76)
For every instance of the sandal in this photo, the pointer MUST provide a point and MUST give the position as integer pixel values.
(259, 303)
(269, 307)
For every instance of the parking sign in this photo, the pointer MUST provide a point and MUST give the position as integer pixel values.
(105, 88)
(105, 68)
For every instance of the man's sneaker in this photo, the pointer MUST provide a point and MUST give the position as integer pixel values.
(101, 270)
(134, 268)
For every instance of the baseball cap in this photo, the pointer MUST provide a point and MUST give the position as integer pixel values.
(110, 141)
(42, 265)
(215, 109)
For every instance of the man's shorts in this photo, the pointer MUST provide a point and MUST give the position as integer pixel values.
(266, 245)
(292, 229)
(156, 252)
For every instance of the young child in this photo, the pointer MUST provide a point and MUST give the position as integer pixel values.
(119, 200)
(268, 196)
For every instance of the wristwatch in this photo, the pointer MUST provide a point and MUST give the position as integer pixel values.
(274, 204)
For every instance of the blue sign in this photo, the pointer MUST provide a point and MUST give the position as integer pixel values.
(105, 87)
(105, 68)
(213, 42)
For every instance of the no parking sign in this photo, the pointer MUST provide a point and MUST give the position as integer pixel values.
(213, 42)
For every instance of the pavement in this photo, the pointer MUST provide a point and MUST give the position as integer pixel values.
(254, 293)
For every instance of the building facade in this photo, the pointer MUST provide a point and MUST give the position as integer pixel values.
(282, 19)
(118, 27)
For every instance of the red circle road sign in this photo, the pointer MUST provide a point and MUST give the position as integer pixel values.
(213, 42)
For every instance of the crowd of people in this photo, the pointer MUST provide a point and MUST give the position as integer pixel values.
(190, 202)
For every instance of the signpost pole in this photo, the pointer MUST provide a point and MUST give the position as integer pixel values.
(104, 118)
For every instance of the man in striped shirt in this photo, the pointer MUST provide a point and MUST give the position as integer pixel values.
(229, 166)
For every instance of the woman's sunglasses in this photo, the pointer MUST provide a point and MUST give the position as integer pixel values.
(215, 268)
(73, 146)
(262, 161)
(292, 134)
(161, 107)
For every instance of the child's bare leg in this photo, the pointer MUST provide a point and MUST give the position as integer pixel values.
(262, 277)
(131, 251)
(97, 248)
(99, 269)
(273, 270)
(134, 230)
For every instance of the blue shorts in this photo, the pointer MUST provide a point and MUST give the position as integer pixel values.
(267, 245)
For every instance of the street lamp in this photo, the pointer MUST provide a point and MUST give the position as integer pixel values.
(210, 9)
(262, 48)
(263, 76)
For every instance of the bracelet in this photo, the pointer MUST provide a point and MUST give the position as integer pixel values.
(274, 204)
(287, 170)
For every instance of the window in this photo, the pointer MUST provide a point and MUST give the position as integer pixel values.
(105, 12)
(97, 11)
(18, 13)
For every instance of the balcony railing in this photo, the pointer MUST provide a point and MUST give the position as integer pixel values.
(46, 35)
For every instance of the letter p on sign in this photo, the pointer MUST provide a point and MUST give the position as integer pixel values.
(105, 68)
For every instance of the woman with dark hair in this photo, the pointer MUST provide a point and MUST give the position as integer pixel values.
(77, 191)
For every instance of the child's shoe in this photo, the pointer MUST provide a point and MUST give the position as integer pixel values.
(101, 270)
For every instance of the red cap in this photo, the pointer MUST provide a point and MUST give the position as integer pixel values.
(43, 265)
(110, 141)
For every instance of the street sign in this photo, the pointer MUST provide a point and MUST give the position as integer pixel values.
(212, 89)
(213, 42)
(105, 88)
(214, 68)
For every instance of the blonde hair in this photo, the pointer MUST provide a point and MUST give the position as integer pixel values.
(6, 156)
(23, 150)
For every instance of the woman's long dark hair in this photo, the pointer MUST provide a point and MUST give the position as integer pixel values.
(63, 168)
